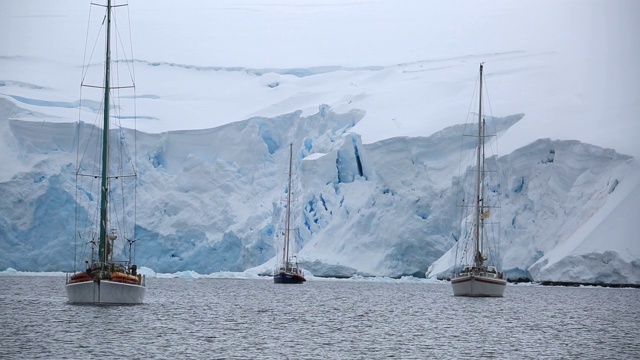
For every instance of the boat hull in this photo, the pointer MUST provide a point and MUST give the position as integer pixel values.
(286, 278)
(478, 286)
(105, 292)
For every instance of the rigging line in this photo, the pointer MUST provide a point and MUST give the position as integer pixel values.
(80, 159)
(455, 258)
(486, 88)
(113, 207)
(121, 43)
(122, 187)
(84, 244)
(75, 230)
(79, 130)
(495, 130)
(491, 248)
(133, 165)
(86, 42)
(87, 65)
(89, 137)
(492, 251)
(92, 183)
(113, 6)
(75, 225)
(114, 210)
(110, 87)
(85, 69)
(135, 203)
(110, 177)
(462, 192)
(118, 110)
(135, 133)
(91, 134)
(496, 153)
(118, 133)
(135, 125)
(82, 74)
(465, 130)
(482, 178)
(92, 218)
(122, 146)
(133, 69)
(116, 92)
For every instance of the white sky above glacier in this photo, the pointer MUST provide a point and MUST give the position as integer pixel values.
(570, 66)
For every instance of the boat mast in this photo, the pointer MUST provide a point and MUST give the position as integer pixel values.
(287, 221)
(476, 230)
(103, 248)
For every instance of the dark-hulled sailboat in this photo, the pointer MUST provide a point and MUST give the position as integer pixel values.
(288, 271)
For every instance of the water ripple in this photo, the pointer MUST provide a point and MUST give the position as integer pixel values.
(255, 319)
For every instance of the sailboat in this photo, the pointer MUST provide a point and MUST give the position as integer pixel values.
(288, 271)
(478, 277)
(105, 280)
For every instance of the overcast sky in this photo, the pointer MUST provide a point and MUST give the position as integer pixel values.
(591, 47)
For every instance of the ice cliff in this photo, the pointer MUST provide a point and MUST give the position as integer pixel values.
(211, 200)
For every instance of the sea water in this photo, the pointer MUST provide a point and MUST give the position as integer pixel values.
(321, 319)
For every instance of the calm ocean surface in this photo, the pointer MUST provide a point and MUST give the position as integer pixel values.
(255, 319)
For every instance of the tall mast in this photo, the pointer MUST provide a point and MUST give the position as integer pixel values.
(103, 252)
(287, 221)
(476, 235)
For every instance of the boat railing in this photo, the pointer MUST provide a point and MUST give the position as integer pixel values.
(485, 271)
(294, 269)
(120, 266)
(102, 266)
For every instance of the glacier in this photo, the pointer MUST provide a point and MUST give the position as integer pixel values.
(210, 200)
(371, 107)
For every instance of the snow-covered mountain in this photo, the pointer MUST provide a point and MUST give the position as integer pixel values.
(372, 95)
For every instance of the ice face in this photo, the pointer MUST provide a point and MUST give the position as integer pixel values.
(211, 200)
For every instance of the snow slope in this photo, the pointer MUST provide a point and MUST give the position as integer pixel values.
(581, 257)
(411, 65)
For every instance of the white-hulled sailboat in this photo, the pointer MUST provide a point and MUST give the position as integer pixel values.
(478, 277)
(288, 271)
(105, 280)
